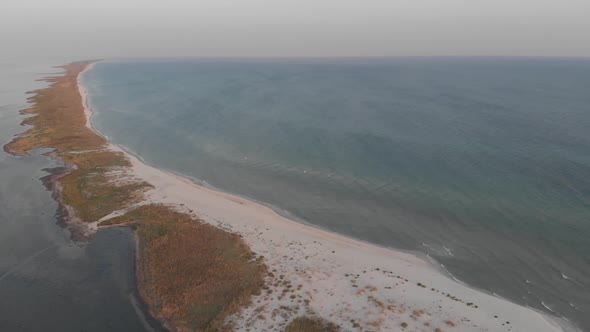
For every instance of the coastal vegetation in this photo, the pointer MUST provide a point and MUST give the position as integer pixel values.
(192, 275)
(311, 324)
(57, 121)
(190, 272)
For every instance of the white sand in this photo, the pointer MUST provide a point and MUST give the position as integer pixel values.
(84, 95)
(343, 280)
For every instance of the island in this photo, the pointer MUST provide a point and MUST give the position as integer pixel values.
(212, 261)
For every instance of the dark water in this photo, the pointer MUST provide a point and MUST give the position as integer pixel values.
(483, 164)
(48, 282)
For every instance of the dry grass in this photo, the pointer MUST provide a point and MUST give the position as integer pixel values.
(92, 190)
(191, 274)
(57, 117)
(57, 121)
(311, 324)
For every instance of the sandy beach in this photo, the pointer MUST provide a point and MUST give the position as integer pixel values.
(356, 285)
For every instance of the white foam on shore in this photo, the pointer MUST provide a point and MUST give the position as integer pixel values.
(343, 280)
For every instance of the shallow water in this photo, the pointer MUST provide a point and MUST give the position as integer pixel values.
(48, 282)
(483, 164)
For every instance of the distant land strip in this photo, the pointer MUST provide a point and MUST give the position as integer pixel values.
(190, 274)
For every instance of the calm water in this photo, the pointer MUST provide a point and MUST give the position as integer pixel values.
(483, 164)
(48, 282)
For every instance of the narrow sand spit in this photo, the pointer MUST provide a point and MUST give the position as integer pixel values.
(356, 285)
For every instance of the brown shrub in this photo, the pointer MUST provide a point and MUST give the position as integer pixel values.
(311, 324)
(192, 273)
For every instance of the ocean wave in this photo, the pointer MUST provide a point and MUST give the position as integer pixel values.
(450, 274)
(574, 306)
(439, 251)
(570, 279)
(449, 251)
(549, 308)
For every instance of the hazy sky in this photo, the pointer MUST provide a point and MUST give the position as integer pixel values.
(113, 28)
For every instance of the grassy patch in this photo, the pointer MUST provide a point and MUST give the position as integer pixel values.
(93, 192)
(311, 324)
(192, 273)
(57, 121)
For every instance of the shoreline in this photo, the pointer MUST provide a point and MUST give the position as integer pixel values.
(449, 303)
(177, 252)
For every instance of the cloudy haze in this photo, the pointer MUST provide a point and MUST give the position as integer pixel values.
(129, 28)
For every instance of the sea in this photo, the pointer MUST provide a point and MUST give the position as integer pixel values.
(481, 164)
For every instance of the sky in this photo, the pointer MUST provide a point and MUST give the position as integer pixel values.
(294, 28)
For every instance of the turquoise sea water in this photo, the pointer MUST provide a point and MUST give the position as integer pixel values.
(481, 163)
